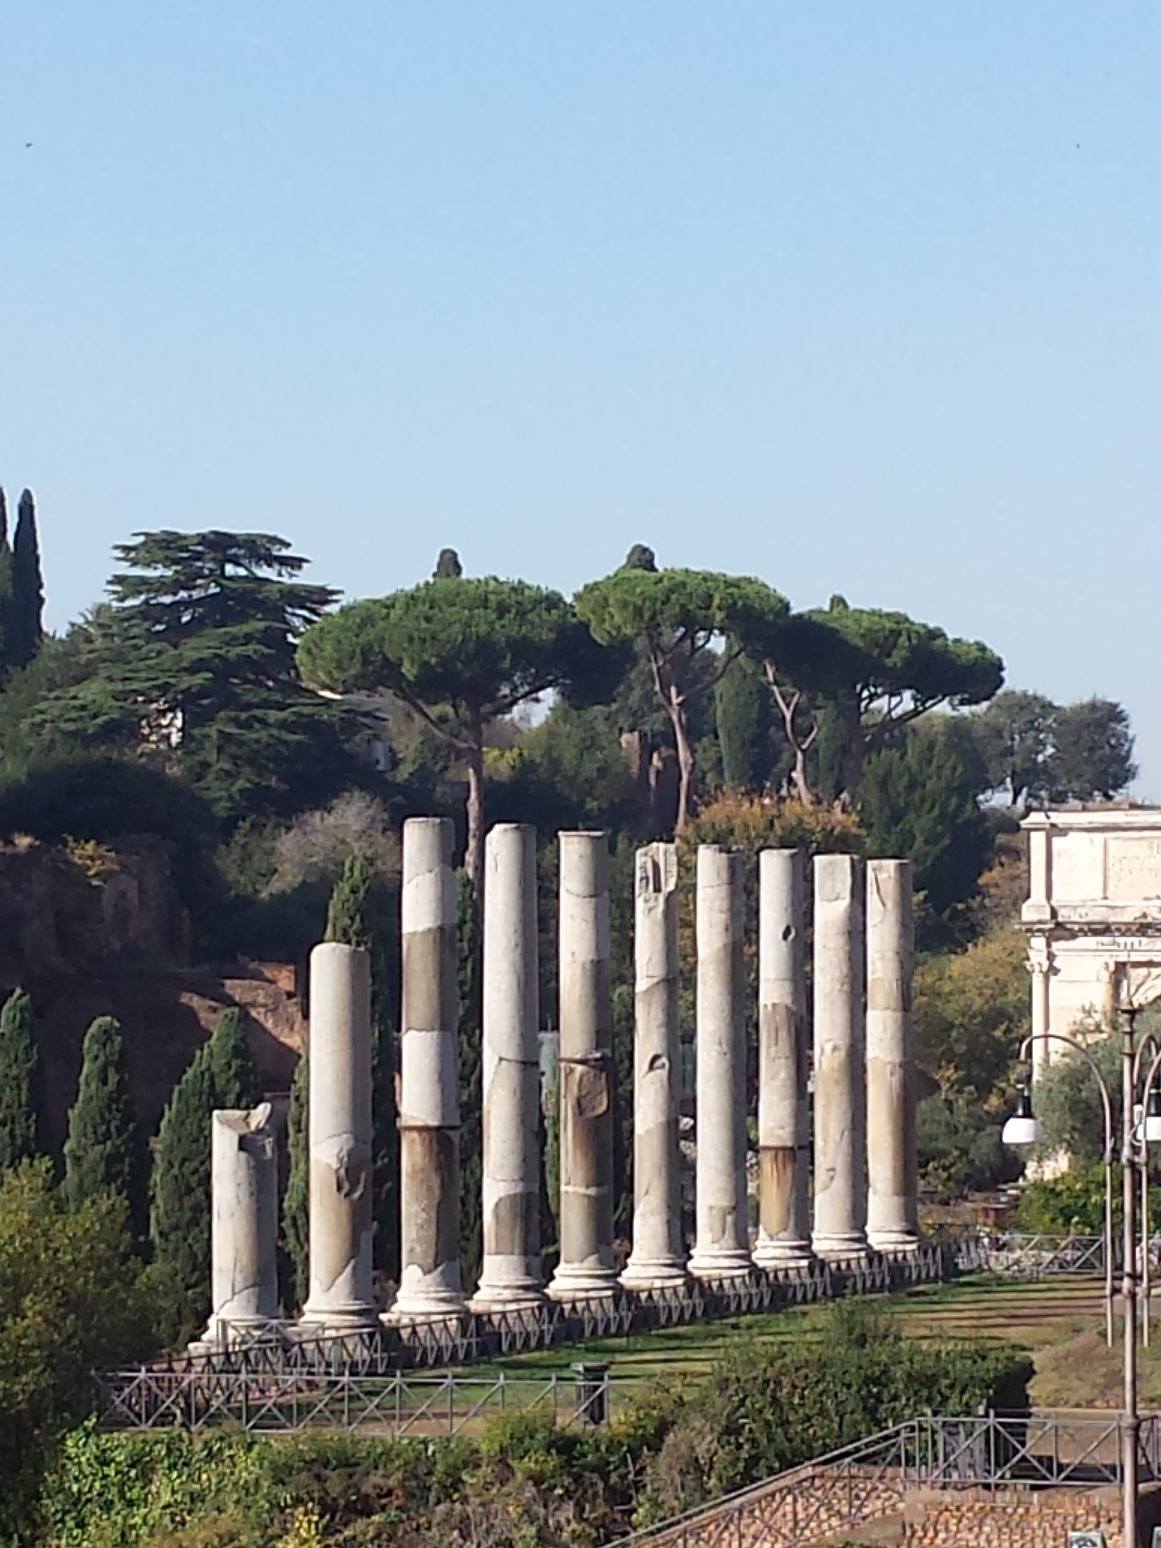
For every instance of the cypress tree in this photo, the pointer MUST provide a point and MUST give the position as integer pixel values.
(744, 713)
(296, 1199)
(103, 1152)
(232, 1070)
(470, 1049)
(179, 1221)
(355, 917)
(21, 1083)
(27, 586)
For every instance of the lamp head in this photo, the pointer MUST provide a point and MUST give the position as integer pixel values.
(1153, 1116)
(1023, 1127)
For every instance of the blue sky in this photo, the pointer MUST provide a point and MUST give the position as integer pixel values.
(855, 297)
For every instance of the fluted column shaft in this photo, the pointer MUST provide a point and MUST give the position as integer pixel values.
(658, 1256)
(340, 1137)
(511, 1274)
(783, 1058)
(722, 1247)
(892, 1178)
(840, 1103)
(586, 1072)
(429, 1106)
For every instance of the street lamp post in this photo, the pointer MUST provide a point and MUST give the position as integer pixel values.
(1140, 1123)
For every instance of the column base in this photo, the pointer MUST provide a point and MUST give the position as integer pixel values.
(575, 1282)
(654, 1274)
(894, 1241)
(425, 1308)
(505, 1298)
(840, 1249)
(727, 1263)
(348, 1317)
(774, 1253)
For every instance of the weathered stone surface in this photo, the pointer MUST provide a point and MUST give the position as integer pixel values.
(722, 1247)
(658, 1256)
(783, 1109)
(243, 1221)
(586, 1071)
(511, 1274)
(340, 1138)
(429, 1114)
(892, 1182)
(840, 1103)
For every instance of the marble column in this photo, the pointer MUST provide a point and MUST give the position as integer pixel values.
(840, 1102)
(658, 1256)
(892, 1165)
(586, 1072)
(243, 1221)
(511, 1274)
(722, 1248)
(340, 1138)
(783, 1057)
(429, 1105)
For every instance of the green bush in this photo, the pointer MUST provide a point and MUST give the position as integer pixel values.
(523, 1481)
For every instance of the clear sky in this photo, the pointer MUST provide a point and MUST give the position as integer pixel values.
(856, 297)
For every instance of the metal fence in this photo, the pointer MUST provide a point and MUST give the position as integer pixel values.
(873, 1477)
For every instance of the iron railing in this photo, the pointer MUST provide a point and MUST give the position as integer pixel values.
(873, 1477)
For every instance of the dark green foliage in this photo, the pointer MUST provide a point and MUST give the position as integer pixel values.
(447, 566)
(1093, 750)
(295, 1240)
(471, 1041)
(959, 1149)
(744, 710)
(358, 916)
(524, 1479)
(70, 1299)
(104, 1151)
(197, 668)
(921, 802)
(179, 1218)
(21, 1083)
(1014, 735)
(232, 1069)
(59, 664)
(1068, 1102)
(27, 628)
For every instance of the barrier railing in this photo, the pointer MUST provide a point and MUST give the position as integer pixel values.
(873, 1477)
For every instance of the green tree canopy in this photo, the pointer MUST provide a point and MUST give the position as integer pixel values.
(197, 668)
(874, 672)
(232, 1069)
(674, 616)
(461, 653)
(1015, 733)
(27, 618)
(104, 1152)
(1093, 750)
(179, 1217)
(21, 1083)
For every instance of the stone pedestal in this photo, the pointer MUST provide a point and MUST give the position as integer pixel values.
(340, 1138)
(722, 1248)
(658, 1257)
(243, 1222)
(586, 1072)
(783, 1057)
(429, 1107)
(840, 1101)
(511, 1275)
(892, 1181)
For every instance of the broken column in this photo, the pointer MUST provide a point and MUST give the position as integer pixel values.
(722, 1248)
(340, 1138)
(586, 1072)
(783, 1106)
(892, 1181)
(840, 1104)
(429, 1106)
(243, 1221)
(658, 1256)
(511, 1274)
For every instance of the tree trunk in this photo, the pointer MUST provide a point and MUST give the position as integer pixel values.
(474, 853)
(686, 765)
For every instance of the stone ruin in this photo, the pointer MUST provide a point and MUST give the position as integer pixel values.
(863, 1180)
